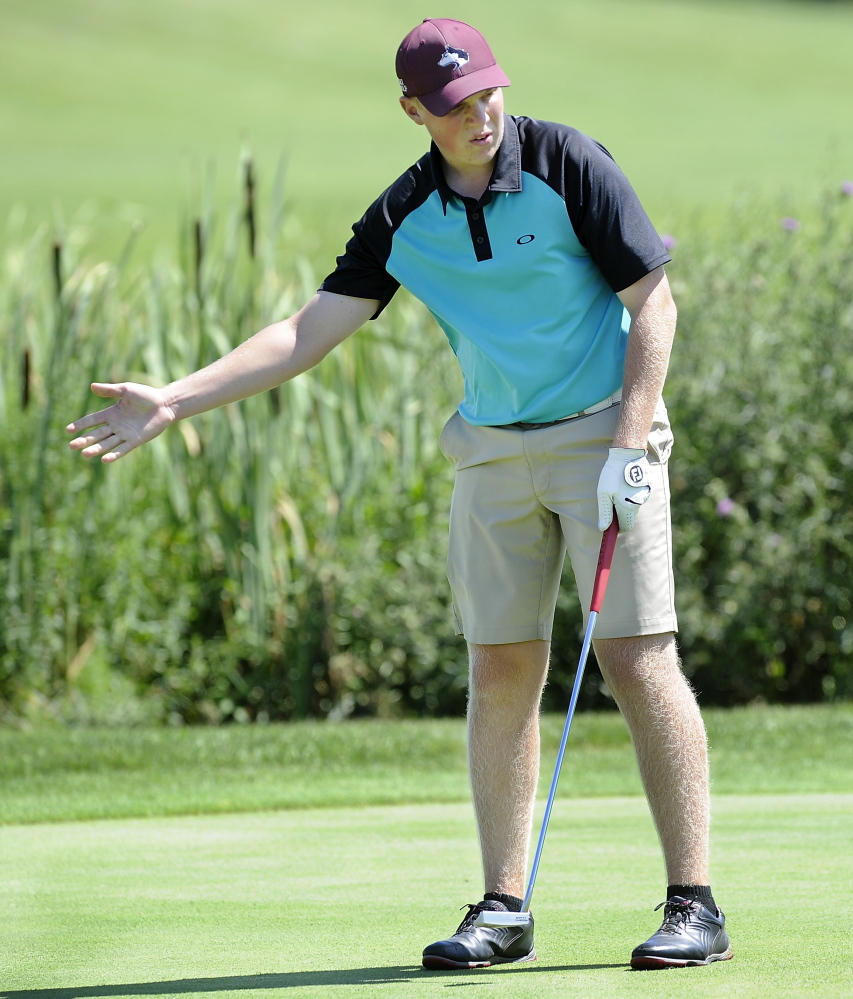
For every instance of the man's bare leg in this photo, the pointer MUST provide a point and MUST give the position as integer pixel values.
(644, 675)
(503, 753)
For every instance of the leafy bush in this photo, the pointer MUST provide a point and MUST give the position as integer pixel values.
(761, 395)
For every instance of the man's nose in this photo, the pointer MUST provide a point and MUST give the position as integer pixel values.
(480, 111)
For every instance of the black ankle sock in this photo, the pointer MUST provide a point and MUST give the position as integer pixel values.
(510, 901)
(700, 892)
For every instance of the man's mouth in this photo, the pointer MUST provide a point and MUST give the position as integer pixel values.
(482, 139)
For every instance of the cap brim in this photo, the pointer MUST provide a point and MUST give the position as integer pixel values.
(439, 102)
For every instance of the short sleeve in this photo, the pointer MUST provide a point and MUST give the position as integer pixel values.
(360, 271)
(607, 216)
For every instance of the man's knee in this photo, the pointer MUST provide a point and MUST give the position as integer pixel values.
(638, 660)
(508, 670)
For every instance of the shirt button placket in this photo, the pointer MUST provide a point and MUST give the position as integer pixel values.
(479, 234)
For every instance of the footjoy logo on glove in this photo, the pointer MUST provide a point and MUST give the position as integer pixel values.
(635, 474)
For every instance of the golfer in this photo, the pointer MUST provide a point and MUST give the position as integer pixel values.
(531, 250)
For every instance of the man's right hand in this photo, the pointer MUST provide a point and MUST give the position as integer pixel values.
(140, 414)
(276, 354)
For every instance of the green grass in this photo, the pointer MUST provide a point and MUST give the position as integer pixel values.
(123, 107)
(56, 774)
(339, 902)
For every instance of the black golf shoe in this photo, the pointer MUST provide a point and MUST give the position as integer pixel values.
(690, 935)
(476, 944)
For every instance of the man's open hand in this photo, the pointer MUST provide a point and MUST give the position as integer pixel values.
(140, 414)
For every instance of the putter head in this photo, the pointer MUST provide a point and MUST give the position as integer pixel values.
(502, 919)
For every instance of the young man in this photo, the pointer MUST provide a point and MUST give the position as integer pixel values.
(531, 250)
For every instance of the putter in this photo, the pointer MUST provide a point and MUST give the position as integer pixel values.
(599, 586)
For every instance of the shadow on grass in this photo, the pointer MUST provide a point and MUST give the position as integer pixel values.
(283, 980)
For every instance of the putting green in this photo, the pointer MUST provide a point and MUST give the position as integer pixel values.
(339, 902)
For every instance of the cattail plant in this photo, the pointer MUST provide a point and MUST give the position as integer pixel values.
(249, 191)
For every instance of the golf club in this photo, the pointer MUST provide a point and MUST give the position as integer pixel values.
(602, 575)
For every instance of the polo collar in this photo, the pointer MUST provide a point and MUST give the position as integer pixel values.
(506, 176)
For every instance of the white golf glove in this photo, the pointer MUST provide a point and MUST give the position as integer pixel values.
(624, 484)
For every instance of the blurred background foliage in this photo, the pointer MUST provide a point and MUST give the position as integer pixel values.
(113, 111)
(284, 558)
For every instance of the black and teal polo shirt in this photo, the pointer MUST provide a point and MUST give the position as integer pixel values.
(523, 282)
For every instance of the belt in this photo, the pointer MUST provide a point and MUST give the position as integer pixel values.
(611, 400)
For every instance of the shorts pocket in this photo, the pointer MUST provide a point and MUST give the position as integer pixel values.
(661, 437)
(445, 442)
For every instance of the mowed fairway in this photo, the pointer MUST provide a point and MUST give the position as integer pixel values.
(339, 902)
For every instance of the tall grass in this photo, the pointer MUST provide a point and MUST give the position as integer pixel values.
(284, 557)
(216, 568)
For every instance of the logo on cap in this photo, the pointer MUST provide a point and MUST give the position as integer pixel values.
(403, 86)
(453, 57)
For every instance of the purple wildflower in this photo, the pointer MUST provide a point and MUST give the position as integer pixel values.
(847, 188)
(725, 507)
(791, 225)
(669, 242)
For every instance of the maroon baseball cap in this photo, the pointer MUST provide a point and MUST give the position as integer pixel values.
(444, 62)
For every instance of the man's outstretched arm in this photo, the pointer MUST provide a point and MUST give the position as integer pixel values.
(274, 355)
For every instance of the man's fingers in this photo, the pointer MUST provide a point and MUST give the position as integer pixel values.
(107, 390)
(101, 433)
(119, 452)
(88, 439)
(626, 518)
(86, 422)
(102, 446)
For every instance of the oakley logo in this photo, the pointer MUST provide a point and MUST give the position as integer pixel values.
(453, 57)
(525, 239)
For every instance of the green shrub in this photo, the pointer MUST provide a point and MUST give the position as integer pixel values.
(761, 394)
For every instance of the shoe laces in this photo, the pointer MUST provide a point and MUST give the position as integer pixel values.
(474, 910)
(677, 911)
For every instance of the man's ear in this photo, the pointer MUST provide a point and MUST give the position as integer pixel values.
(412, 109)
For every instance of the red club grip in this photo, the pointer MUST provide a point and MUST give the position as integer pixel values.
(605, 560)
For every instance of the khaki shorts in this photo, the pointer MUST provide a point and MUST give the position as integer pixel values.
(522, 499)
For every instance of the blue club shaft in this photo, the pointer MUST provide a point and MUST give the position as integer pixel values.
(587, 641)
